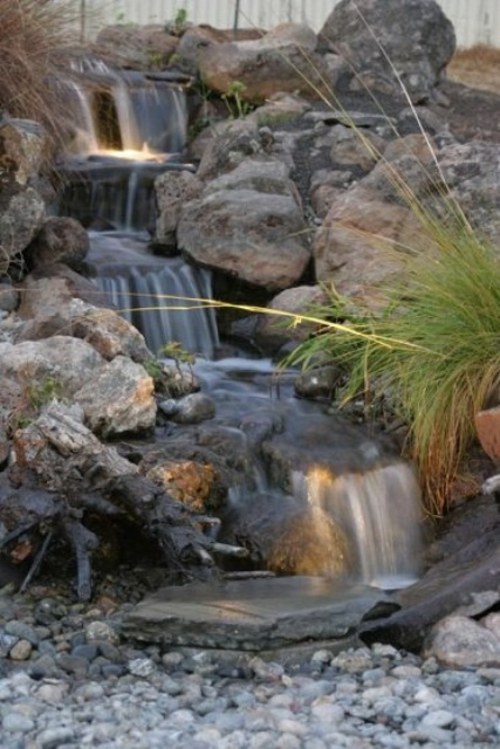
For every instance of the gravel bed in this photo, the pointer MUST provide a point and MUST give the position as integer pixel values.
(67, 679)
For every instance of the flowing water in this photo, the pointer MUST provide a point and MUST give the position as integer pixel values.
(351, 508)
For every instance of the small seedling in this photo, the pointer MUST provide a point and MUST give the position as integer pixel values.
(234, 101)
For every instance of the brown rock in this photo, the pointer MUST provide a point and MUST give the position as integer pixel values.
(487, 425)
(187, 481)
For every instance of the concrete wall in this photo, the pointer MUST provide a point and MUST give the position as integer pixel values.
(474, 20)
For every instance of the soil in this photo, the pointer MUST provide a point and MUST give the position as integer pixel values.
(473, 114)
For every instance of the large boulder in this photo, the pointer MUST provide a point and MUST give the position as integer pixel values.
(137, 47)
(379, 37)
(23, 147)
(248, 223)
(61, 240)
(22, 214)
(117, 397)
(284, 60)
(351, 247)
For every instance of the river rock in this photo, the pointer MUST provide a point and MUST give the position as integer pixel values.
(109, 333)
(460, 642)
(189, 409)
(189, 482)
(59, 434)
(282, 60)
(414, 35)
(248, 223)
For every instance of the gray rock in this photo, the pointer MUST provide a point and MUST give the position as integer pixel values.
(15, 722)
(282, 60)
(457, 641)
(172, 190)
(21, 216)
(187, 616)
(60, 240)
(119, 399)
(248, 224)
(191, 409)
(415, 35)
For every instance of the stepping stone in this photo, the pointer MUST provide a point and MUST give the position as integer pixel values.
(256, 615)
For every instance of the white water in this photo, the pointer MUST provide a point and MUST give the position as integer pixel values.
(379, 511)
(147, 290)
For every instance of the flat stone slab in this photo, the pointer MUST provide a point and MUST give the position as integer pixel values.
(254, 615)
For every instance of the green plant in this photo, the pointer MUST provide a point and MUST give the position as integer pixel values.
(235, 103)
(153, 368)
(180, 19)
(34, 396)
(41, 393)
(175, 350)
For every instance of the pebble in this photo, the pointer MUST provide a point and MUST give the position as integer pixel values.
(67, 680)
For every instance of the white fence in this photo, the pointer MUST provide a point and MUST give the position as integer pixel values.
(474, 20)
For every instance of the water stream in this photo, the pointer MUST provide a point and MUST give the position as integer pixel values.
(360, 508)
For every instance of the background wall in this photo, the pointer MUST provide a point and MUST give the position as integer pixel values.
(474, 20)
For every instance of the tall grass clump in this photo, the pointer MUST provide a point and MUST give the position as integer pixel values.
(34, 35)
(433, 346)
(433, 349)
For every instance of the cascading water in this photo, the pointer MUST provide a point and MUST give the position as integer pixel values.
(345, 507)
(129, 129)
(148, 290)
(362, 521)
(378, 511)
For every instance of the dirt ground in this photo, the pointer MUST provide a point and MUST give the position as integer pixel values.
(473, 88)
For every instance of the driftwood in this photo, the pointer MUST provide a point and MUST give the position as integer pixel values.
(62, 473)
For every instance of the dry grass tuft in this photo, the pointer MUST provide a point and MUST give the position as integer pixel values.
(34, 35)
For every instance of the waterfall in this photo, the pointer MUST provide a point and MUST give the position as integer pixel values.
(131, 127)
(378, 510)
(150, 292)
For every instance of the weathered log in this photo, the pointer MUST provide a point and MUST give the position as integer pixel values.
(64, 473)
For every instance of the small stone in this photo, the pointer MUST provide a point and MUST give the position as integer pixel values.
(172, 660)
(142, 667)
(210, 736)
(6, 644)
(438, 719)
(22, 631)
(17, 723)
(322, 656)
(266, 671)
(89, 652)
(51, 738)
(52, 693)
(21, 651)
(97, 630)
(72, 664)
(406, 672)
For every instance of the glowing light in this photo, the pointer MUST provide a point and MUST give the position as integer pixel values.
(130, 154)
